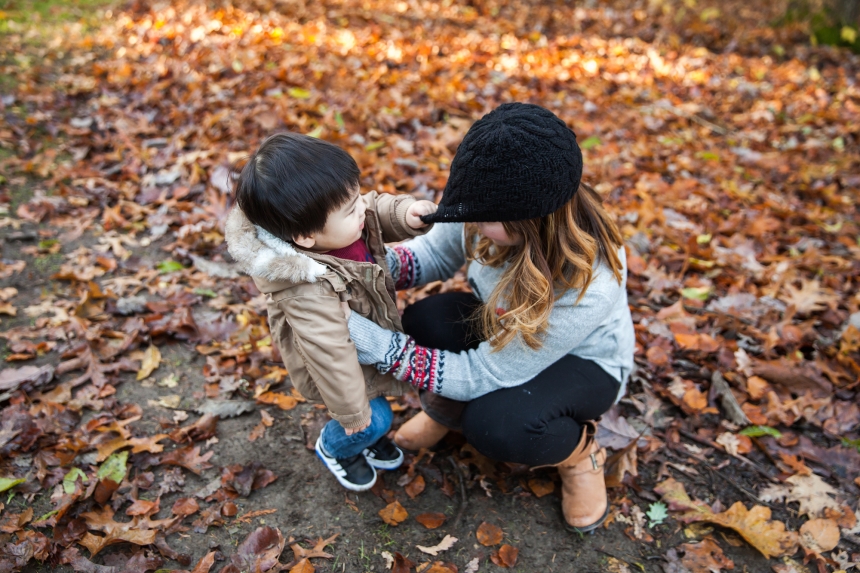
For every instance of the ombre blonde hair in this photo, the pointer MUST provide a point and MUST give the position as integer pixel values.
(557, 253)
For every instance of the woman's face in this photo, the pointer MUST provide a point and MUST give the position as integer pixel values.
(496, 233)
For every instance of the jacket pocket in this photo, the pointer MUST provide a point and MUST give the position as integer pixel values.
(360, 305)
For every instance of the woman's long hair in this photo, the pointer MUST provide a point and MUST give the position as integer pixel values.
(558, 253)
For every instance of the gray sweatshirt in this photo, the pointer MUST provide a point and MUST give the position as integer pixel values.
(597, 328)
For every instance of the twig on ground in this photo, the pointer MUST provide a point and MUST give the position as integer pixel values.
(697, 310)
(696, 118)
(745, 491)
(304, 438)
(752, 464)
(622, 559)
(462, 490)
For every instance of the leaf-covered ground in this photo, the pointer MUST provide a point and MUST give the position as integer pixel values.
(147, 423)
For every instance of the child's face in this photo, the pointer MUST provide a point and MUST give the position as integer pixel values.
(496, 232)
(342, 228)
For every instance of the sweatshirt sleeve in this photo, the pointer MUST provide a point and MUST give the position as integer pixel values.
(473, 373)
(435, 256)
(391, 210)
(321, 337)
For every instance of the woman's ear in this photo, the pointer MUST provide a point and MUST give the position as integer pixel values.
(306, 242)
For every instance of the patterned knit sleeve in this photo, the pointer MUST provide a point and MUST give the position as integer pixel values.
(404, 267)
(435, 256)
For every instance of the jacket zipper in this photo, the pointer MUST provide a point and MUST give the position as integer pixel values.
(379, 298)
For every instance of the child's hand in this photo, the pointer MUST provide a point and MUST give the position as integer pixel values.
(351, 431)
(416, 210)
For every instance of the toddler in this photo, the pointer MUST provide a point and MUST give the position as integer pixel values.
(310, 240)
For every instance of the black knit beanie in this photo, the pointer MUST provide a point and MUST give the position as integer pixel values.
(517, 162)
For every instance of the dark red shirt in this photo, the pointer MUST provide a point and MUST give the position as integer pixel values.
(357, 251)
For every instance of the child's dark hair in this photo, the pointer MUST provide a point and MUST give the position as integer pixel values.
(293, 182)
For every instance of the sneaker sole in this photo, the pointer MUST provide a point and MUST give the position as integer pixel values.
(384, 464)
(347, 484)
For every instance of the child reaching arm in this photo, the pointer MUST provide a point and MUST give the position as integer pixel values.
(311, 241)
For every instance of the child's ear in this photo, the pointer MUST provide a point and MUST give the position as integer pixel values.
(306, 242)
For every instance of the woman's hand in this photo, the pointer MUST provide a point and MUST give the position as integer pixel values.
(416, 210)
(351, 431)
(346, 310)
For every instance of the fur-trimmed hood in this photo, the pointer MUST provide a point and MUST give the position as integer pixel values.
(261, 254)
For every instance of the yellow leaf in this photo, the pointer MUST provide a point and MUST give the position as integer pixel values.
(282, 401)
(393, 514)
(754, 525)
(151, 360)
(303, 566)
(819, 535)
(95, 543)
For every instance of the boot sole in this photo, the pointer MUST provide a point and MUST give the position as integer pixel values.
(385, 464)
(589, 528)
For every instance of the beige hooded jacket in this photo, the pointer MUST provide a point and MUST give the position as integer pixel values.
(304, 291)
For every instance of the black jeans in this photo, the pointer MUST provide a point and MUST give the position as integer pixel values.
(536, 423)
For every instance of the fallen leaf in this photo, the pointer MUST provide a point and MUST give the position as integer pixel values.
(440, 567)
(754, 525)
(26, 378)
(819, 535)
(393, 514)
(244, 480)
(205, 563)
(9, 483)
(615, 432)
(472, 566)
(143, 507)
(171, 401)
(614, 565)
(258, 432)
(488, 534)
(505, 557)
(705, 556)
(401, 564)
(189, 458)
(225, 408)
(620, 464)
(431, 520)
(301, 553)
(810, 297)
(541, 487)
(415, 486)
(259, 551)
(96, 543)
(282, 401)
(656, 513)
(794, 377)
(303, 566)
(447, 542)
(185, 506)
(151, 361)
(114, 468)
(810, 491)
(247, 517)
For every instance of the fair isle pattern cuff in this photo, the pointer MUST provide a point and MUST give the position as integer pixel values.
(409, 271)
(416, 365)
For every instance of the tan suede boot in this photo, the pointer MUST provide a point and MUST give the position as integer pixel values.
(421, 431)
(584, 501)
